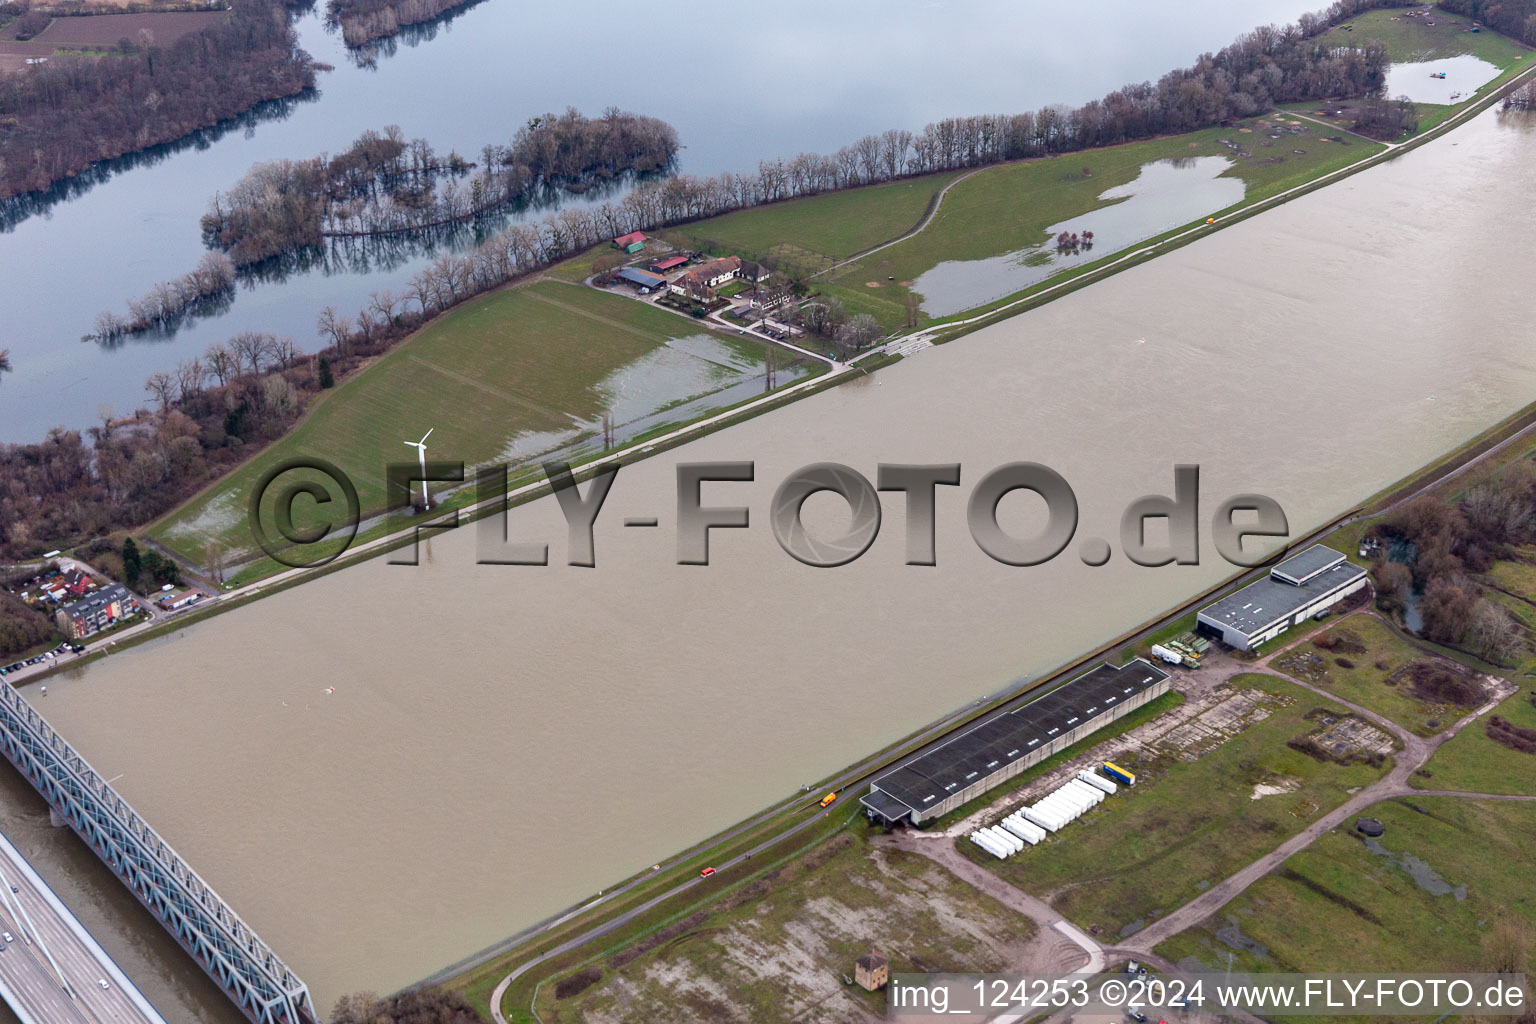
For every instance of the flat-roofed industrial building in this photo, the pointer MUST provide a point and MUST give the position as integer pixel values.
(993, 751)
(1301, 586)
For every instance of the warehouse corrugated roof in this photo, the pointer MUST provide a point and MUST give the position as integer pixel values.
(1303, 566)
(1266, 602)
(1000, 740)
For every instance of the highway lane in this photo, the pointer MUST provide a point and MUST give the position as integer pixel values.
(52, 971)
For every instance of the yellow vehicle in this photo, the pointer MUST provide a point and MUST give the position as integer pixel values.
(827, 800)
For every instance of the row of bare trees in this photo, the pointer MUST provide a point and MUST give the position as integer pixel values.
(168, 302)
(362, 21)
(1453, 543)
(1521, 97)
(60, 117)
(383, 184)
(1515, 18)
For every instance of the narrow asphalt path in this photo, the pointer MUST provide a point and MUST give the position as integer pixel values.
(933, 211)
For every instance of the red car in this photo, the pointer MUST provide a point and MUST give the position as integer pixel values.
(706, 872)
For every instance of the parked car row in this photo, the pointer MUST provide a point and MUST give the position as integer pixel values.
(40, 658)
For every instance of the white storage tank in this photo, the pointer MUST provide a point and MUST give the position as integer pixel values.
(989, 844)
(1031, 828)
(1098, 782)
(1027, 832)
(1073, 797)
(1079, 786)
(1049, 822)
(1008, 837)
(1068, 808)
(1094, 796)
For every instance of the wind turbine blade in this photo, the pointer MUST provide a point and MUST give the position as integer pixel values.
(427, 434)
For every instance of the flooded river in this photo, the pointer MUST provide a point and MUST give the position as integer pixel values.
(502, 742)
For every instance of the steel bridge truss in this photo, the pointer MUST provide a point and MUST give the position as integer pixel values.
(207, 928)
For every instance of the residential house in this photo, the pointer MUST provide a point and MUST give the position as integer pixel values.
(706, 277)
(754, 273)
(101, 609)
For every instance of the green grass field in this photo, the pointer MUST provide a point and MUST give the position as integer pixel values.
(1341, 905)
(1365, 680)
(1185, 825)
(1473, 763)
(816, 231)
(808, 922)
(1008, 208)
(532, 361)
(1414, 39)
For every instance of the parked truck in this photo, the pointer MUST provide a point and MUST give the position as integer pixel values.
(1118, 774)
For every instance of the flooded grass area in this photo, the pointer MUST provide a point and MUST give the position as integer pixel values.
(1192, 815)
(520, 374)
(997, 226)
(1363, 661)
(1421, 898)
(778, 948)
(1414, 36)
(1164, 194)
(1443, 81)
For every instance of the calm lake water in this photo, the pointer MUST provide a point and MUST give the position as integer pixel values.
(1164, 195)
(812, 77)
(502, 743)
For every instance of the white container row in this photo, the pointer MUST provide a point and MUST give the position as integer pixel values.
(992, 846)
(1098, 782)
(1054, 812)
(1023, 828)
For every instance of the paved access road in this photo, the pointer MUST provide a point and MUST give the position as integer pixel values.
(51, 969)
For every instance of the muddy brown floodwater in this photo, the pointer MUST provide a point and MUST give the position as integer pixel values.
(502, 742)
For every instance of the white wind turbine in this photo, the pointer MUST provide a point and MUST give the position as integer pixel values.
(421, 454)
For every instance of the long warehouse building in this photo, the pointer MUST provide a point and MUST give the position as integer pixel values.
(995, 750)
(1301, 586)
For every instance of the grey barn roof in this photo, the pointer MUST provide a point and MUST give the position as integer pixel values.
(1303, 565)
(641, 277)
(991, 745)
(1269, 600)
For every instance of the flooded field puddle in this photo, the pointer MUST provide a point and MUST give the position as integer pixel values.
(1424, 876)
(682, 380)
(1421, 81)
(1164, 195)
